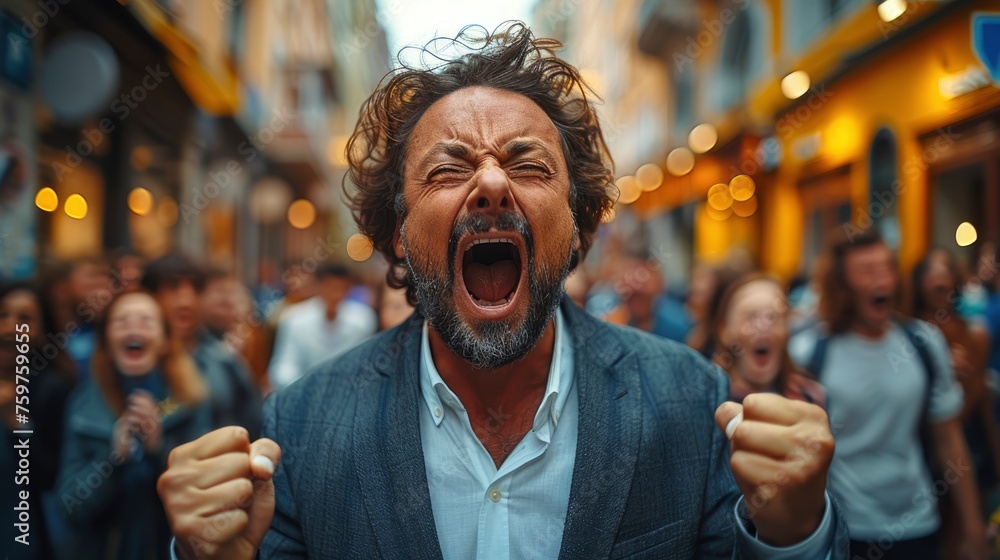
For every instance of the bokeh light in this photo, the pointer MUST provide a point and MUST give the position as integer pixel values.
(680, 162)
(795, 85)
(718, 215)
(359, 247)
(649, 177)
(629, 189)
(719, 197)
(301, 214)
(966, 234)
(742, 187)
(47, 199)
(889, 10)
(140, 201)
(703, 138)
(76, 206)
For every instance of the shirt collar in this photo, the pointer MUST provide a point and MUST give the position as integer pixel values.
(437, 395)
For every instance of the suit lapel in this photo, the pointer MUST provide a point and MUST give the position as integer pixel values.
(389, 456)
(608, 388)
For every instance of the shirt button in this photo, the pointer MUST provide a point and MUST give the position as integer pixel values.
(557, 416)
(495, 495)
(437, 412)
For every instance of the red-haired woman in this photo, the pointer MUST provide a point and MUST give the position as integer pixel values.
(145, 398)
(751, 330)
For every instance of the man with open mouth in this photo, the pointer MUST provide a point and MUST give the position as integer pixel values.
(501, 421)
(892, 394)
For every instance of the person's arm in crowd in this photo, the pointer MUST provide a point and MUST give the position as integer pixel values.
(988, 421)
(984, 412)
(90, 479)
(284, 367)
(50, 426)
(953, 456)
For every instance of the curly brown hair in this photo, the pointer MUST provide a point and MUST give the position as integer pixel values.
(510, 58)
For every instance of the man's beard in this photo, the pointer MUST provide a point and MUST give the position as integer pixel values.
(487, 344)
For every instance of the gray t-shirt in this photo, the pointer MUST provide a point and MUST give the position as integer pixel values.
(875, 390)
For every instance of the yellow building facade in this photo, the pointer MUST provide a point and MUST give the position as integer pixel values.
(899, 129)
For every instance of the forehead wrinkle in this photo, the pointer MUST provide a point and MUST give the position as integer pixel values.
(468, 116)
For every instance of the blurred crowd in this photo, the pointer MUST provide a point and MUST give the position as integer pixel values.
(126, 359)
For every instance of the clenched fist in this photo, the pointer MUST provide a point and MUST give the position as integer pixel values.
(218, 494)
(780, 454)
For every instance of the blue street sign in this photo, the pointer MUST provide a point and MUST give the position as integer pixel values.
(986, 41)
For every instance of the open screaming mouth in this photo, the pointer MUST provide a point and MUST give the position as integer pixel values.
(134, 347)
(491, 269)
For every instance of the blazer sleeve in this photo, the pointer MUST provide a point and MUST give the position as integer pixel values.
(284, 539)
(717, 533)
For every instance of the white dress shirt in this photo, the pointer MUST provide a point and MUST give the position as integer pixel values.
(518, 511)
(306, 338)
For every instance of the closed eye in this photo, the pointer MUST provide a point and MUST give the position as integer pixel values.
(446, 171)
(531, 168)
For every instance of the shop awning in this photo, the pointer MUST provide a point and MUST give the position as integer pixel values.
(211, 84)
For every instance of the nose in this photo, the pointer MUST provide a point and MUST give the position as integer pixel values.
(491, 193)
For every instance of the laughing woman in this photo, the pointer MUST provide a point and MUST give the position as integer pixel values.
(751, 327)
(145, 399)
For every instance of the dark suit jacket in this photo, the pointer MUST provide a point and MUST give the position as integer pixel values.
(651, 477)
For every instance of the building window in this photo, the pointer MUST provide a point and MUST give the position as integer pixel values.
(745, 56)
(809, 20)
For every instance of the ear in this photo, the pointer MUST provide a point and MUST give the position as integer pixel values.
(577, 242)
(397, 240)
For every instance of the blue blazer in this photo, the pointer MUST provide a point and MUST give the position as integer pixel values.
(651, 477)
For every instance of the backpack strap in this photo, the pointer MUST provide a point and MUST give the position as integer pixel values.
(818, 358)
(930, 371)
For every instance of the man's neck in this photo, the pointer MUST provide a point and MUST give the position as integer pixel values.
(501, 402)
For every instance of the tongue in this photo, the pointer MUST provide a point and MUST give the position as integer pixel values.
(491, 282)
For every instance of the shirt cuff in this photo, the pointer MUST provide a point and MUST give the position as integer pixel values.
(817, 545)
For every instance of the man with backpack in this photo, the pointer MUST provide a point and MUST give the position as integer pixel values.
(893, 404)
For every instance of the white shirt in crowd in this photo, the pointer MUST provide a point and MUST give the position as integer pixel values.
(305, 337)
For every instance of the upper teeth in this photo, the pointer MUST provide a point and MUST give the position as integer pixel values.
(490, 240)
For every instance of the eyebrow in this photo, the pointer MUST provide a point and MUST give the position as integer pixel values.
(518, 146)
(512, 148)
(453, 149)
